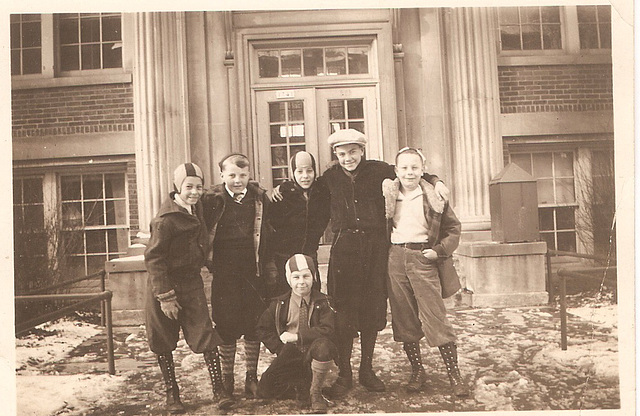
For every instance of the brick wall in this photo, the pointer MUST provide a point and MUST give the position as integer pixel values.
(134, 220)
(72, 110)
(549, 88)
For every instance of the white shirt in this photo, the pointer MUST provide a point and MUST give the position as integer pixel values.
(409, 222)
(243, 193)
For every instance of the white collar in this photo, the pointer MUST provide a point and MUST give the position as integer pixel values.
(243, 193)
(409, 195)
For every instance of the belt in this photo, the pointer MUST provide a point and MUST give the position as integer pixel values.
(414, 246)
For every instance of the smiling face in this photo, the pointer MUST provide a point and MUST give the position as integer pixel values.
(409, 169)
(301, 282)
(349, 155)
(304, 176)
(191, 190)
(235, 177)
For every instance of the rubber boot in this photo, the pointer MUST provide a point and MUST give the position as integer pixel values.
(449, 352)
(418, 377)
(344, 382)
(173, 406)
(319, 371)
(366, 376)
(221, 396)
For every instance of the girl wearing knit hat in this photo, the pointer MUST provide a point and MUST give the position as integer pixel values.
(299, 218)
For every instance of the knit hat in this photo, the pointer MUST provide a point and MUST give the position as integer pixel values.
(299, 262)
(346, 136)
(301, 159)
(183, 171)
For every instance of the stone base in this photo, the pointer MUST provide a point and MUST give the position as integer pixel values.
(129, 317)
(498, 300)
(502, 274)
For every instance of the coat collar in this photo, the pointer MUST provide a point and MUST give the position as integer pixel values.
(391, 190)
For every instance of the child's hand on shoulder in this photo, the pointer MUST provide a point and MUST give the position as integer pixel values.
(288, 337)
(430, 254)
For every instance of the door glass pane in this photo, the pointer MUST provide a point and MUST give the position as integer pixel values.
(355, 109)
(336, 110)
(296, 133)
(278, 134)
(296, 112)
(357, 125)
(276, 112)
(291, 64)
(279, 156)
(287, 128)
(336, 61)
(358, 60)
(335, 126)
(268, 64)
(313, 62)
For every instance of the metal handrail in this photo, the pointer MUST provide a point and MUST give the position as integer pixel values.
(103, 297)
(563, 274)
(100, 273)
(550, 253)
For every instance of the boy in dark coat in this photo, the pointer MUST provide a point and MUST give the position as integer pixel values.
(424, 232)
(175, 292)
(299, 218)
(358, 261)
(298, 326)
(236, 214)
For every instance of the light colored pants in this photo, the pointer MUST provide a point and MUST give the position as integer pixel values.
(417, 308)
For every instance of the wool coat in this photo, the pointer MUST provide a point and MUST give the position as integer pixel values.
(273, 321)
(443, 233)
(177, 248)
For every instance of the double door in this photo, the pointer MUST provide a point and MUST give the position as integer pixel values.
(296, 119)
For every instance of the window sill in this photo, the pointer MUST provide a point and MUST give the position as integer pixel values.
(564, 59)
(32, 83)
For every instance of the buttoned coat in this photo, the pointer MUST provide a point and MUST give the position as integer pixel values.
(176, 250)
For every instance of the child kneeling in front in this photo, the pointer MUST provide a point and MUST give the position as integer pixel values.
(175, 295)
(424, 232)
(299, 327)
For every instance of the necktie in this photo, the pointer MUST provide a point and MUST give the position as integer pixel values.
(237, 198)
(303, 316)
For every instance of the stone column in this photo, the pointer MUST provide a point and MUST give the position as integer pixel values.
(160, 106)
(471, 41)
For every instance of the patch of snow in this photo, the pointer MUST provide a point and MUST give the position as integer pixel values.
(606, 316)
(139, 257)
(598, 358)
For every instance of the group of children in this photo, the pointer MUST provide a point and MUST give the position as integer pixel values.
(394, 234)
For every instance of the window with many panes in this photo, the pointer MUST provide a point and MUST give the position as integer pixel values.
(26, 44)
(594, 24)
(530, 28)
(313, 61)
(90, 41)
(287, 135)
(556, 195)
(82, 223)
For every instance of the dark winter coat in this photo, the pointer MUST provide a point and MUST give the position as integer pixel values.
(273, 321)
(214, 202)
(176, 250)
(299, 222)
(443, 233)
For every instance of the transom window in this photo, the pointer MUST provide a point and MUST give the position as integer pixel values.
(556, 195)
(90, 41)
(530, 28)
(287, 132)
(26, 44)
(315, 61)
(594, 24)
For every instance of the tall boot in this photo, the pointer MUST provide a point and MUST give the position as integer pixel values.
(449, 352)
(251, 355)
(227, 361)
(174, 406)
(221, 396)
(319, 371)
(418, 377)
(344, 382)
(366, 376)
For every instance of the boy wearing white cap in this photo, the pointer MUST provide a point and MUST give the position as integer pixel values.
(175, 295)
(298, 326)
(358, 262)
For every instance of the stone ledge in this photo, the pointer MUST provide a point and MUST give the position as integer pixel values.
(495, 249)
(497, 300)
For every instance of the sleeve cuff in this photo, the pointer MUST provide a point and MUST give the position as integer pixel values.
(168, 296)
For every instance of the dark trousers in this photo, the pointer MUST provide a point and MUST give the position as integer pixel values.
(163, 333)
(236, 294)
(292, 367)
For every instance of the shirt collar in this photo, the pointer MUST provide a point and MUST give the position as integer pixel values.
(243, 193)
(298, 299)
(410, 195)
